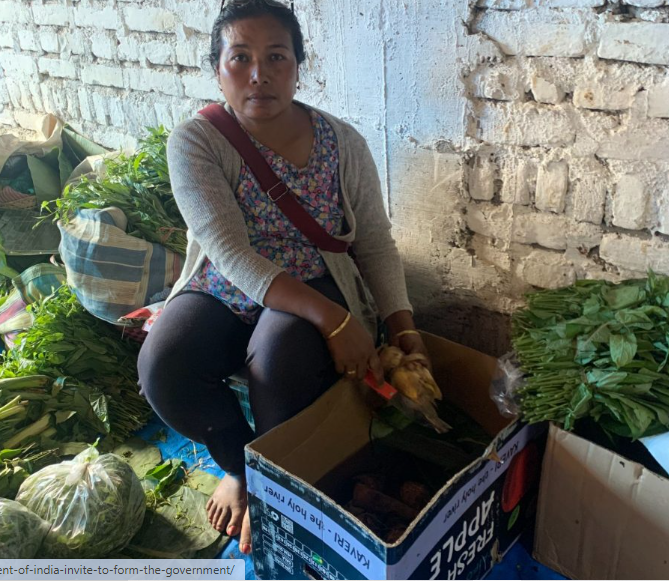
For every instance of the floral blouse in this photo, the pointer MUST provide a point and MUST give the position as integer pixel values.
(272, 235)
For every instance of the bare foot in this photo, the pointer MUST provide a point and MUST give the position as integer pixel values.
(227, 506)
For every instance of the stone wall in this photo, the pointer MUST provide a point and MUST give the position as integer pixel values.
(520, 143)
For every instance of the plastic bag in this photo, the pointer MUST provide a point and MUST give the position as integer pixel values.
(21, 531)
(504, 388)
(95, 504)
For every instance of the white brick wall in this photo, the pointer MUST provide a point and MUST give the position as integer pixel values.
(150, 19)
(151, 80)
(103, 45)
(536, 33)
(53, 14)
(6, 39)
(552, 186)
(553, 116)
(14, 12)
(107, 18)
(526, 124)
(637, 42)
(50, 40)
(629, 203)
(57, 68)
(102, 75)
(658, 101)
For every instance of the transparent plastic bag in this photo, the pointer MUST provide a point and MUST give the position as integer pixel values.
(94, 504)
(21, 531)
(504, 388)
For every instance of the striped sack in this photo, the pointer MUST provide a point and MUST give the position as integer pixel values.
(111, 272)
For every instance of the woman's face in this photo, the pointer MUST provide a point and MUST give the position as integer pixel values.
(257, 71)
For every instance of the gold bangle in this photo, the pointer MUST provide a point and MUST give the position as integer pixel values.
(407, 332)
(340, 328)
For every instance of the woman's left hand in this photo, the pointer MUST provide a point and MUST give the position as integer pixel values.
(413, 344)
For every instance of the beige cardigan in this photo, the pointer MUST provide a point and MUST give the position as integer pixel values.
(204, 170)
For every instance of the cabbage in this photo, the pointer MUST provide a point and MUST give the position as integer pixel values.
(21, 531)
(94, 504)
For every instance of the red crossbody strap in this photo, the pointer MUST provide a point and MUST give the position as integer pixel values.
(271, 184)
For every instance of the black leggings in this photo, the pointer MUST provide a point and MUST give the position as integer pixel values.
(197, 342)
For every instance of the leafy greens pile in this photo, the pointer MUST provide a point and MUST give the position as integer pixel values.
(597, 349)
(66, 341)
(140, 186)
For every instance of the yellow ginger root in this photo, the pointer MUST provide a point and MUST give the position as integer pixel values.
(415, 383)
(407, 374)
(391, 358)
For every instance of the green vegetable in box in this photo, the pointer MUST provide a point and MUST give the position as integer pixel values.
(21, 531)
(94, 504)
(597, 349)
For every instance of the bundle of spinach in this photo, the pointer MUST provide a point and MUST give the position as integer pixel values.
(140, 186)
(66, 341)
(37, 408)
(597, 349)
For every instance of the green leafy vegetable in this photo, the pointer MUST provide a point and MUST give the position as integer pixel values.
(140, 186)
(597, 349)
(161, 481)
(67, 341)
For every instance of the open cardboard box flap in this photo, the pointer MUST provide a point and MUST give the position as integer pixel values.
(464, 376)
(600, 516)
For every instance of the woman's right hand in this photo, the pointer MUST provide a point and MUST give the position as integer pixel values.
(353, 352)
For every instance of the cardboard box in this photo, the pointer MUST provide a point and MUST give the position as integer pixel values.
(600, 516)
(300, 533)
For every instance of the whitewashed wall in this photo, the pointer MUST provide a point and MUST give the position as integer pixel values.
(521, 143)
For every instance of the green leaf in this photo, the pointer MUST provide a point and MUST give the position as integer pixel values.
(586, 351)
(634, 319)
(605, 379)
(203, 481)
(623, 348)
(601, 334)
(164, 478)
(581, 401)
(45, 178)
(176, 529)
(513, 518)
(623, 296)
(141, 455)
(591, 306)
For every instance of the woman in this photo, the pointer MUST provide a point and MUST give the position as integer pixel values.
(254, 290)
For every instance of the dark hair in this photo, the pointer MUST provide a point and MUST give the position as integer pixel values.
(234, 10)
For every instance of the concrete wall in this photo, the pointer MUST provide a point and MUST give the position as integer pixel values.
(521, 143)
